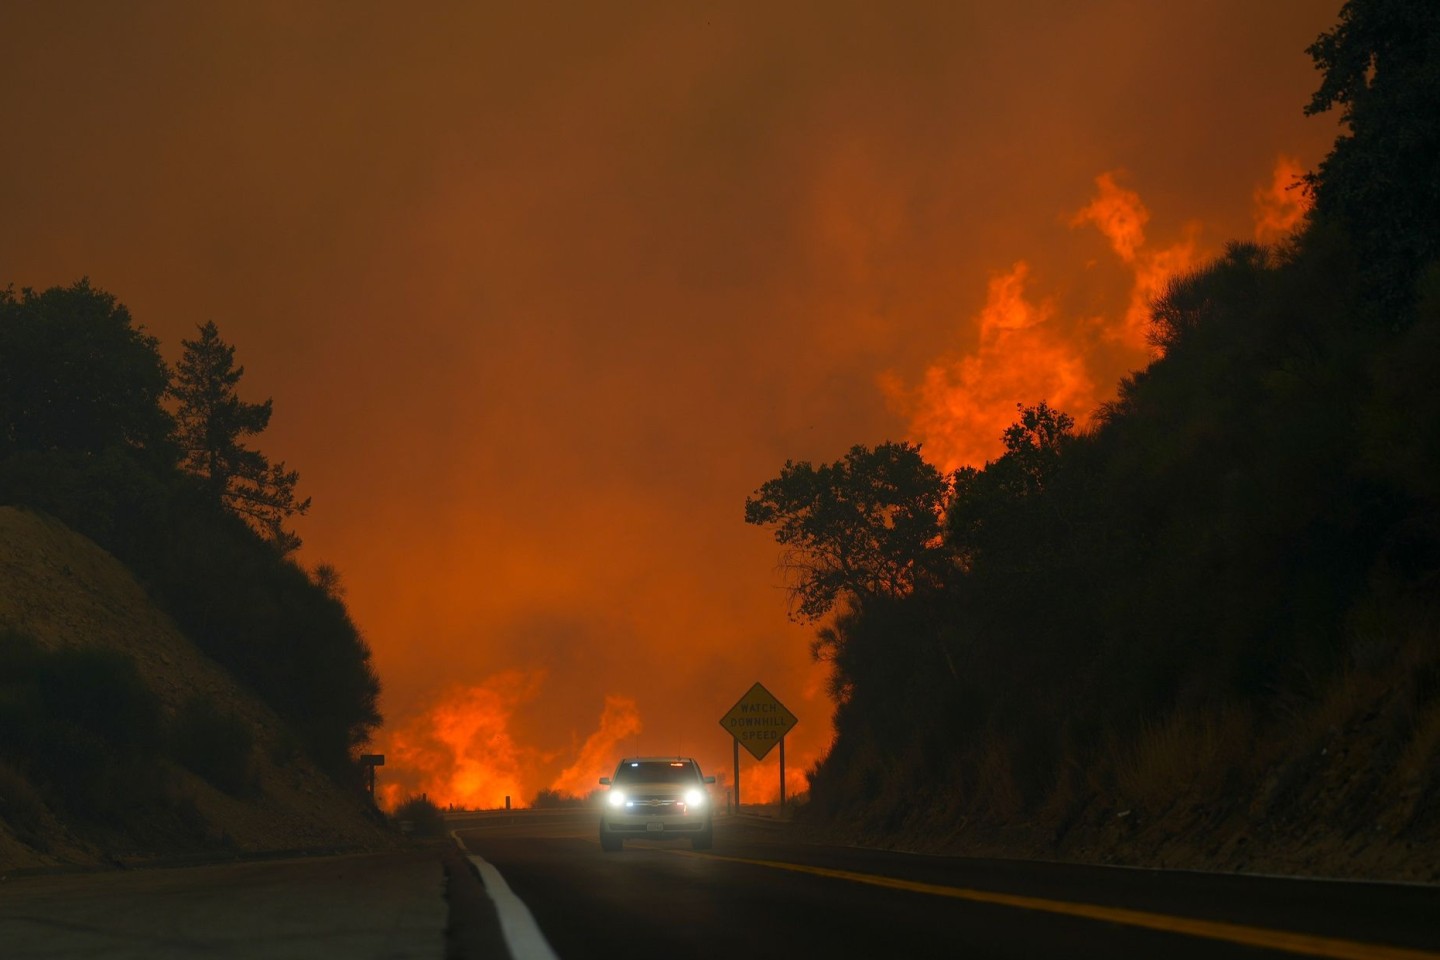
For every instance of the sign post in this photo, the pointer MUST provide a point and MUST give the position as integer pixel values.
(782, 774)
(757, 722)
(736, 745)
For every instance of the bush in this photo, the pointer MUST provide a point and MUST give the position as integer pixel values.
(22, 808)
(423, 816)
(82, 726)
(217, 745)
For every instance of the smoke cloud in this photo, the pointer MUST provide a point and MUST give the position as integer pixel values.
(541, 293)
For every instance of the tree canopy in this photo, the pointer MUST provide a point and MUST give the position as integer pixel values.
(76, 375)
(1381, 66)
(865, 526)
(992, 508)
(212, 424)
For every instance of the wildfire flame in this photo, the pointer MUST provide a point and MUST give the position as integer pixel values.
(460, 752)
(1281, 205)
(963, 404)
(760, 783)
(619, 719)
(1027, 352)
(1120, 216)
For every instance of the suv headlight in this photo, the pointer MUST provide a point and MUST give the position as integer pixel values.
(694, 797)
(616, 798)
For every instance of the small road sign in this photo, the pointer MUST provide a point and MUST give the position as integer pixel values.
(758, 721)
(370, 761)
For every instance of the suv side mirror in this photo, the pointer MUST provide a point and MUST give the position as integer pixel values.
(605, 781)
(709, 779)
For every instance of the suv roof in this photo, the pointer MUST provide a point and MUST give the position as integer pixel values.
(657, 770)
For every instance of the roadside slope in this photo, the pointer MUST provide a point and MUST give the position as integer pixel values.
(64, 592)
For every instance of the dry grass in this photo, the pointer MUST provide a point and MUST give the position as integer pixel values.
(1188, 754)
(997, 791)
(1418, 771)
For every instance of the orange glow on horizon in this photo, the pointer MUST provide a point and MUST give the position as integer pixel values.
(460, 752)
(760, 781)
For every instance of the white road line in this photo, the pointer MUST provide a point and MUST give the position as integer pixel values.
(522, 934)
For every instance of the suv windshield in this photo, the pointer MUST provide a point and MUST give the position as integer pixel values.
(653, 772)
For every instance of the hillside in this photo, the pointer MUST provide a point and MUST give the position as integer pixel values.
(1198, 627)
(63, 593)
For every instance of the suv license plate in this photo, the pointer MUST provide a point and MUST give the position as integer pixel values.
(655, 826)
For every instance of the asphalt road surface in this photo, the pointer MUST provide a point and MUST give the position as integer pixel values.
(388, 905)
(541, 888)
(759, 893)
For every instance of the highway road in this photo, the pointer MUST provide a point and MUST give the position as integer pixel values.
(762, 893)
(537, 886)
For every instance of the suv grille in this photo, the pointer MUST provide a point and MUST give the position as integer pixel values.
(655, 806)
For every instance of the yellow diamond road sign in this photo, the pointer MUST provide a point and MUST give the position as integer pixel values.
(758, 721)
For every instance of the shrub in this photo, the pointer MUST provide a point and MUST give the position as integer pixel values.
(82, 726)
(217, 745)
(1189, 752)
(423, 816)
(22, 808)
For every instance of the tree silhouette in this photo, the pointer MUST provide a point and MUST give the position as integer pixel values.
(1216, 294)
(865, 526)
(76, 376)
(1380, 180)
(212, 424)
(992, 509)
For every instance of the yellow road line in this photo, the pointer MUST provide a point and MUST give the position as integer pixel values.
(1287, 941)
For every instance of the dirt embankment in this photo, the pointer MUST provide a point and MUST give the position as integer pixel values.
(1345, 785)
(61, 590)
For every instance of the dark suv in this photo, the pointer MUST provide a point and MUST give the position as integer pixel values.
(657, 798)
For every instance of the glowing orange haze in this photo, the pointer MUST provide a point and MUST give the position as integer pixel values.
(541, 292)
(460, 752)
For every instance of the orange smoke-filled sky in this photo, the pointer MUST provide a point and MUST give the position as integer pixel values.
(541, 291)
